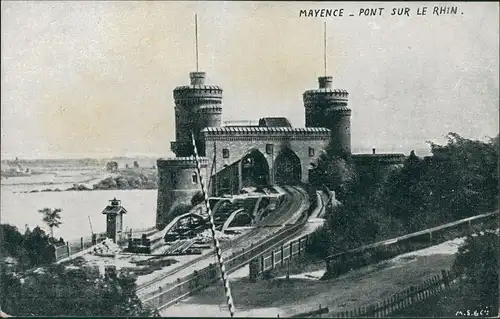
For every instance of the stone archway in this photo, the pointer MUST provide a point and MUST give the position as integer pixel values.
(254, 169)
(288, 170)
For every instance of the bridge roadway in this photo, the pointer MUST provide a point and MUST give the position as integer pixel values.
(287, 213)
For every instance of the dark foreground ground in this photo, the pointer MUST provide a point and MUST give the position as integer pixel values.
(296, 295)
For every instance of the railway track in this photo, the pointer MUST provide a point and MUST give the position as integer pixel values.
(201, 278)
(289, 209)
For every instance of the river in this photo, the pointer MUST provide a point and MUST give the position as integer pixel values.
(19, 209)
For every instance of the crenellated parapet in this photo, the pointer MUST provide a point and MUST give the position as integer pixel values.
(334, 97)
(197, 106)
(187, 161)
(193, 94)
(209, 109)
(198, 92)
(325, 95)
(328, 107)
(264, 133)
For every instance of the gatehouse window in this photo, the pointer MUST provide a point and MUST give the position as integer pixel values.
(194, 178)
(173, 177)
(269, 148)
(225, 153)
(311, 151)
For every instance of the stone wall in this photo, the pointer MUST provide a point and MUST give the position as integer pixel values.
(307, 145)
(328, 107)
(177, 185)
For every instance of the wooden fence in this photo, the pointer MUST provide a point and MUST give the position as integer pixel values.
(281, 256)
(171, 293)
(340, 263)
(75, 246)
(278, 257)
(397, 302)
(337, 264)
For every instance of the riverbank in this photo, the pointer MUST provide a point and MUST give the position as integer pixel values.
(124, 179)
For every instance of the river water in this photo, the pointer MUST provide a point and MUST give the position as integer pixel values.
(19, 209)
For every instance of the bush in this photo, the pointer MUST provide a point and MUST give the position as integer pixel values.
(478, 259)
(459, 180)
(30, 250)
(129, 179)
(58, 291)
(180, 209)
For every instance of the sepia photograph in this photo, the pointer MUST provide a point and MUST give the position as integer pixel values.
(249, 159)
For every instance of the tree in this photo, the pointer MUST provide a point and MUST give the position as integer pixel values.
(465, 176)
(351, 225)
(459, 180)
(38, 247)
(52, 218)
(405, 195)
(29, 250)
(197, 198)
(335, 172)
(478, 259)
(59, 291)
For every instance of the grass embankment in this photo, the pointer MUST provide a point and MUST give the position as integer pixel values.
(448, 304)
(357, 288)
(381, 253)
(303, 264)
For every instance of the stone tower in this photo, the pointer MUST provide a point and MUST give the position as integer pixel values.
(178, 183)
(196, 106)
(327, 107)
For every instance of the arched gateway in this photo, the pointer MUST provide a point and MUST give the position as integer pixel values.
(288, 168)
(254, 169)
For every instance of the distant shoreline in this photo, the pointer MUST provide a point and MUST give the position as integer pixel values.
(125, 179)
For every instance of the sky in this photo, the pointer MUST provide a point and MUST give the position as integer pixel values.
(95, 78)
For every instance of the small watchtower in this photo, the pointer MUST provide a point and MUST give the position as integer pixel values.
(114, 219)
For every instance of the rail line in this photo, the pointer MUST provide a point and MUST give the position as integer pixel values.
(206, 276)
(235, 246)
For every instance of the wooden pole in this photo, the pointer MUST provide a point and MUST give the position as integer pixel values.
(215, 169)
(288, 268)
(324, 47)
(90, 222)
(196, 38)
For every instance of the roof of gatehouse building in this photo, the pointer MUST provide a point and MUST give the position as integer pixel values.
(274, 122)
